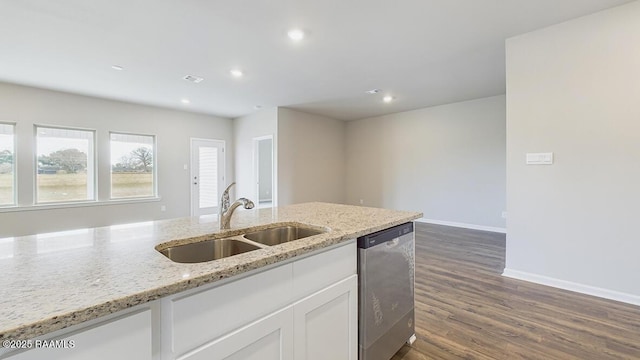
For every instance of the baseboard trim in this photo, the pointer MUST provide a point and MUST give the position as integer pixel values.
(572, 286)
(463, 225)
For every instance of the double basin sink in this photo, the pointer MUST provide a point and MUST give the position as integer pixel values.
(214, 249)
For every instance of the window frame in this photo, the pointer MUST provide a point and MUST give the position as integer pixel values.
(154, 172)
(14, 165)
(93, 158)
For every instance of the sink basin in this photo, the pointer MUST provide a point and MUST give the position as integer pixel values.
(207, 250)
(281, 234)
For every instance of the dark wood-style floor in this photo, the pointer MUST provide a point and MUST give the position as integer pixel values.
(465, 309)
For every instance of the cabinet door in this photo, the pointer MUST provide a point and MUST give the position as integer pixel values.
(200, 318)
(125, 338)
(326, 323)
(270, 338)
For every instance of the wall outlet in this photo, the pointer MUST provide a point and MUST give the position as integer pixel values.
(163, 208)
(185, 167)
(504, 214)
(361, 201)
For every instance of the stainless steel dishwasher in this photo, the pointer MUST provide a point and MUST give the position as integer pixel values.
(386, 271)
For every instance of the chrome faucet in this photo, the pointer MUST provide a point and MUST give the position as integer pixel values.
(227, 209)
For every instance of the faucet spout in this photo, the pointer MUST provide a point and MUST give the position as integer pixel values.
(224, 200)
(227, 209)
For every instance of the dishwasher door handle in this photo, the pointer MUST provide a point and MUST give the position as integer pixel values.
(393, 243)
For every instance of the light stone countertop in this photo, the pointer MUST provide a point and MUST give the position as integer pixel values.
(52, 281)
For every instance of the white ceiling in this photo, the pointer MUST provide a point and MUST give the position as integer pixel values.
(423, 52)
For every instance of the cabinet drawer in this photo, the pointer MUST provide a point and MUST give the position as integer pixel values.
(321, 270)
(207, 315)
(129, 337)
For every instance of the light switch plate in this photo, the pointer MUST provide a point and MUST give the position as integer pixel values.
(539, 158)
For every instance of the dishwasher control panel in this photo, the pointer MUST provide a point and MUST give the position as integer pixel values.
(383, 236)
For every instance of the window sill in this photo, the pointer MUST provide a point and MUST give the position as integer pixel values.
(37, 207)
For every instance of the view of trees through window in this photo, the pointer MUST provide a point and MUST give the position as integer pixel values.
(65, 164)
(7, 168)
(132, 166)
(66, 170)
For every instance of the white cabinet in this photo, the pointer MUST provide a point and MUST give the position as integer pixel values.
(325, 323)
(319, 327)
(270, 338)
(302, 309)
(305, 309)
(199, 318)
(316, 272)
(129, 337)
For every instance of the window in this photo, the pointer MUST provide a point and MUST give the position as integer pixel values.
(7, 165)
(132, 166)
(65, 165)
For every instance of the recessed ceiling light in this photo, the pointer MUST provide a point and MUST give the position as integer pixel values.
(236, 73)
(388, 98)
(295, 34)
(185, 101)
(373, 91)
(193, 78)
(117, 67)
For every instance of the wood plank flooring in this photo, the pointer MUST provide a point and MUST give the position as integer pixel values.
(465, 309)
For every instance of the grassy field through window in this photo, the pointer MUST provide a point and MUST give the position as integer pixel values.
(62, 187)
(125, 185)
(69, 187)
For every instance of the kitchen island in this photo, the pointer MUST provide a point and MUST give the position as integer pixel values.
(52, 282)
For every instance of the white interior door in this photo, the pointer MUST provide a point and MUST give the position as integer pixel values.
(207, 175)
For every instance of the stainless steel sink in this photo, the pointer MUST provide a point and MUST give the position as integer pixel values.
(207, 250)
(281, 234)
(214, 249)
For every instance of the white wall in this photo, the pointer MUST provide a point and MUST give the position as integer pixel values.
(574, 89)
(245, 129)
(311, 158)
(265, 169)
(27, 106)
(446, 161)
